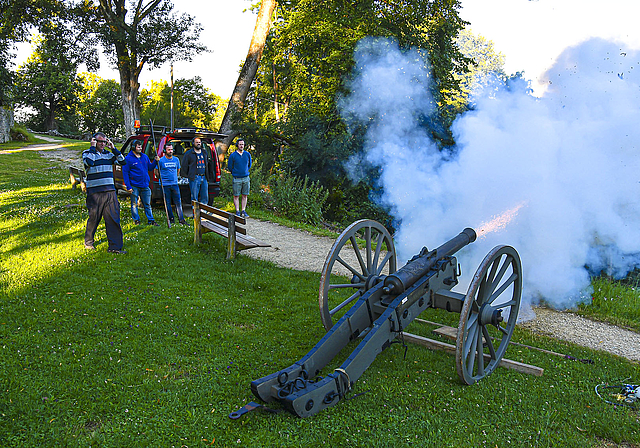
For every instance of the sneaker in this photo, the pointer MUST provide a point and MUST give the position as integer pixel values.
(88, 247)
(244, 213)
(171, 221)
(239, 214)
(183, 222)
(136, 222)
(153, 223)
(116, 251)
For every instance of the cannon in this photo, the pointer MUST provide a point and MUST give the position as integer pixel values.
(379, 301)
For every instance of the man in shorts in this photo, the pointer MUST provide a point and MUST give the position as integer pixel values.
(239, 164)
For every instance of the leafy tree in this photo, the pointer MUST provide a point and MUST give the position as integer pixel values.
(100, 106)
(485, 66)
(16, 19)
(193, 104)
(47, 83)
(307, 60)
(248, 72)
(137, 33)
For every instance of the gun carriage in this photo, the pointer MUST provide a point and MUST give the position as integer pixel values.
(380, 301)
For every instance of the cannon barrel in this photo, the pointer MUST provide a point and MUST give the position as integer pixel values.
(406, 276)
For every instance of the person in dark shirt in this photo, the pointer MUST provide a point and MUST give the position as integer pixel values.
(102, 199)
(199, 169)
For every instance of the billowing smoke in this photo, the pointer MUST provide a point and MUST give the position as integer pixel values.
(564, 167)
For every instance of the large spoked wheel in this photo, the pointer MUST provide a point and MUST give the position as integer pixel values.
(363, 266)
(489, 314)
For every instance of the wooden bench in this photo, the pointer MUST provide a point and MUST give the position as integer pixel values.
(77, 176)
(211, 219)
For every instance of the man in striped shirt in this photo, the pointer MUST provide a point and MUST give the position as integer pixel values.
(102, 198)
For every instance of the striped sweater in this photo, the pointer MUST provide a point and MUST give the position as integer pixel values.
(99, 168)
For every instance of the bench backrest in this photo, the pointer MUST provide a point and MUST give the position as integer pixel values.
(222, 217)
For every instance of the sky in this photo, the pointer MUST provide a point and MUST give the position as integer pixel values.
(530, 33)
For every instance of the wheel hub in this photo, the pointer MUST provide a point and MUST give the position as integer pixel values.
(372, 280)
(490, 315)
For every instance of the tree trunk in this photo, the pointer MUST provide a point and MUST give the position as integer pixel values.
(130, 88)
(248, 72)
(50, 122)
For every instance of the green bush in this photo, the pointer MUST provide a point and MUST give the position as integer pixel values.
(296, 198)
(20, 134)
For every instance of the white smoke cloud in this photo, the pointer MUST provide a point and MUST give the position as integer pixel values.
(570, 159)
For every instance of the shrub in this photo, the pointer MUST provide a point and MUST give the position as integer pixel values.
(297, 199)
(20, 134)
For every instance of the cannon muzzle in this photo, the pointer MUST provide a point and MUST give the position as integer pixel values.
(417, 267)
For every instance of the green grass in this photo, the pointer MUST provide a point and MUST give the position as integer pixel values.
(155, 348)
(615, 302)
(17, 145)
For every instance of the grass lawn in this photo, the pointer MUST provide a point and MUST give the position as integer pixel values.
(155, 348)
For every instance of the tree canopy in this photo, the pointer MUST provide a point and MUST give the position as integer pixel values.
(17, 17)
(305, 69)
(47, 83)
(139, 33)
(194, 105)
(100, 106)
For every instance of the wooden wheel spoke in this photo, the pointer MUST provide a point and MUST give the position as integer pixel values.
(502, 330)
(354, 244)
(488, 280)
(367, 239)
(498, 278)
(489, 341)
(471, 338)
(479, 355)
(483, 286)
(512, 278)
(346, 285)
(506, 304)
(374, 266)
(383, 263)
(345, 303)
(348, 266)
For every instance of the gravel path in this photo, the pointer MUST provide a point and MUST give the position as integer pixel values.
(301, 250)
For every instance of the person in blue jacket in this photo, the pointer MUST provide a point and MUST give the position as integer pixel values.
(239, 163)
(136, 179)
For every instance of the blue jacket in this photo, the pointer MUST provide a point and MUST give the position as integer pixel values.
(136, 171)
(239, 164)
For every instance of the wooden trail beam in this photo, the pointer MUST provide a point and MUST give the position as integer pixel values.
(433, 344)
(452, 332)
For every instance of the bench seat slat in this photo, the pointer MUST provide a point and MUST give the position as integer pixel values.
(222, 222)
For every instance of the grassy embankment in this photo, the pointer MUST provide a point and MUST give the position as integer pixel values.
(157, 347)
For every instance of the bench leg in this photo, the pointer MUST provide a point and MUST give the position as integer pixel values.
(231, 250)
(197, 228)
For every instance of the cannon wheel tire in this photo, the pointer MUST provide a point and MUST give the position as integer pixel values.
(485, 329)
(366, 265)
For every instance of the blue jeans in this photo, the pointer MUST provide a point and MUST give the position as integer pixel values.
(172, 195)
(199, 188)
(145, 195)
